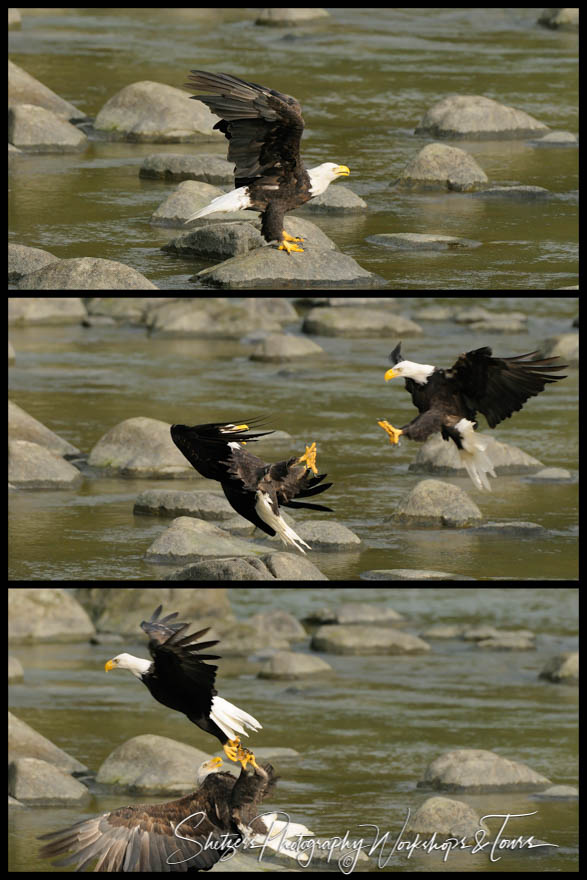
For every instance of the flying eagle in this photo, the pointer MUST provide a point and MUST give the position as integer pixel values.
(178, 678)
(263, 129)
(254, 489)
(186, 835)
(448, 400)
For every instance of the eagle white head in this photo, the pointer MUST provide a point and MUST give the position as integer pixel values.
(420, 373)
(136, 665)
(322, 176)
(208, 767)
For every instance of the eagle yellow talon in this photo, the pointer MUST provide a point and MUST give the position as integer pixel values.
(287, 237)
(245, 756)
(309, 457)
(393, 433)
(286, 246)
(232, 748)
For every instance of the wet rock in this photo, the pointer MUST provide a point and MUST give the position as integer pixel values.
(444, 817)
(26, 742)
(289, 666)
(36, 783)
(562, 668)
(152, 112)
(31, 466)
(22, 260)
(358, 322)
(85, 273)
(365, 640)
(477, 117)
(25, 89)
(432, 503)
(479, 770)
(35, 130)
(268, 567)
(285, 347)
(438, 166)
(22, 426)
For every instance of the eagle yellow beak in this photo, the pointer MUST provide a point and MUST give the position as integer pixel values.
(391, 374)
(109, 666)
(344, 170)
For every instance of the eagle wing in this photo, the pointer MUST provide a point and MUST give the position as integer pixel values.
(263, 127)
(206, 447)
(142, 837)
(291, 480)
(498, 387)
(176, 655)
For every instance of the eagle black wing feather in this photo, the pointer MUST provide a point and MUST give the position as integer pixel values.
(498, 387)
(263, 126)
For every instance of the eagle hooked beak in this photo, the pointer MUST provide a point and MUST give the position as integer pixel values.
(343, 170)
(391, 374)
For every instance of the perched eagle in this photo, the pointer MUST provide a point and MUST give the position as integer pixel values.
(255, 489)
(263, 129)
(448, 400)
(178, 678)
(186, 835)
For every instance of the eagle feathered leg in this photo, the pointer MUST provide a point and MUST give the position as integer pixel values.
(309, 457)
(393, 433)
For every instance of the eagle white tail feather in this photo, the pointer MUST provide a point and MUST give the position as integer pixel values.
(230, 719)
(473, 456)
(264, 508)
(235, 200)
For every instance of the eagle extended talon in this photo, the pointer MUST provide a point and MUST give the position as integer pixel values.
(393, 433)
(309, 457)
(245, 756)
(232, 748)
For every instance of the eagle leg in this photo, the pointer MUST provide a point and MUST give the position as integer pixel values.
(393, 433)
(287, 237)
(245, 756)
(231, 748)
(309, 457)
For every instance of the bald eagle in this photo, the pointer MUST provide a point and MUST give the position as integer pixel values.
(186, 835)
(254, 489)
(178, 678)
(448, 400)
(263, 129)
